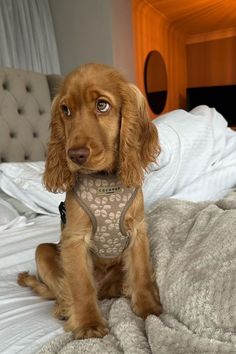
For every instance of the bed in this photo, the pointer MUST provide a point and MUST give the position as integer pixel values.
(191, 213)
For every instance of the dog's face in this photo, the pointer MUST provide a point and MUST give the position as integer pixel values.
(90, 109)
(99, 123)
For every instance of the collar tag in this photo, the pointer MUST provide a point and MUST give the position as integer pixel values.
(108, 190)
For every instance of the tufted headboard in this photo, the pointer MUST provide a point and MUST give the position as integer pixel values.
(25, 101)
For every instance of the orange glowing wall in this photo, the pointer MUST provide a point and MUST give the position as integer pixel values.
(212, 62)
(153, 31)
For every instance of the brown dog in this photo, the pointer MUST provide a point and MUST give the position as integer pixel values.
(101, 143)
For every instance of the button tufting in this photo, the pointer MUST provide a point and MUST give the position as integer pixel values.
(5, 85)
(41, 111)
(20, 110)
(3, 159)
(26, 157)
(12, 135)
(35, 135)
(28, 88)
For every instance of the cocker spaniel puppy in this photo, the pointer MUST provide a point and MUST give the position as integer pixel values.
(101, 143)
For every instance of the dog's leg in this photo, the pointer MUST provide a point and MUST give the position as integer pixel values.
(27, 280)
(139, 282)
(85, 319)
(45, 285)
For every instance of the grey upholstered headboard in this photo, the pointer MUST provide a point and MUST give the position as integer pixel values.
(25, 102)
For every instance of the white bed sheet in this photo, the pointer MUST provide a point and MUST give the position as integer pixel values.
(26, 322)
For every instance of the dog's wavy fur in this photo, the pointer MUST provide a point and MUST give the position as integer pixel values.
(122, 141)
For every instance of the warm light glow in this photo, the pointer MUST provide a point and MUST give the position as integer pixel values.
(198, 16)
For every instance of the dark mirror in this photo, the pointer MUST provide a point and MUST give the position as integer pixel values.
(155, 79)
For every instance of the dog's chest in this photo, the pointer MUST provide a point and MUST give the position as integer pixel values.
(106, 200)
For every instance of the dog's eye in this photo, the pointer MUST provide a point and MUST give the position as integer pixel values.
(66, 110)
(102, 106)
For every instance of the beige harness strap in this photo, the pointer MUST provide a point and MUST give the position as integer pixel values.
(106, 200)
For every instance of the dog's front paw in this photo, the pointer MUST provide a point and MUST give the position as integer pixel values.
(94, 329)
(146, 303)
(60, 312)
(97, 330)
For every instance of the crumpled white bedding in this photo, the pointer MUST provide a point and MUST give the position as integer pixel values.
(25, 319)
(9, 216)
(198, 158)
(198, 162)
(23, 180)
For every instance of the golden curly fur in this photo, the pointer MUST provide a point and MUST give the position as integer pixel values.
(100, 115)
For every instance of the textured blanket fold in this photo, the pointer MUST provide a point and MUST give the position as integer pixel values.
(193, 248)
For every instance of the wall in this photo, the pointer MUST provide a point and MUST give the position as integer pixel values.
(83, 32)
(94, 31)
(122, 38)
(153, 32)
(101, 31)
(212, 63)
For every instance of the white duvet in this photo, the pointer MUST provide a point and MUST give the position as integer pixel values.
(198, 158)
(197, 162)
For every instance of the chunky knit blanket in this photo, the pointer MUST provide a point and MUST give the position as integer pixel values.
(193, 248)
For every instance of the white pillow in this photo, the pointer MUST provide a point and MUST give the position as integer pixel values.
(23, 181)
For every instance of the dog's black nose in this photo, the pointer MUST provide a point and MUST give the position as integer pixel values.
(79, 156)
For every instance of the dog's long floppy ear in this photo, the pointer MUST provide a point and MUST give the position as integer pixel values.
(57, 177)
(139, 144)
